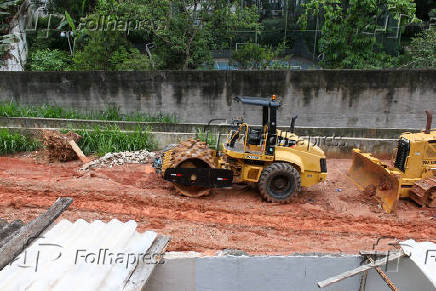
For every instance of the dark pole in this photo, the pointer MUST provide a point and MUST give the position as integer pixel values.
(265, 117)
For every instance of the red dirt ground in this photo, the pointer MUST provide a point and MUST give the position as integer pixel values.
(333, 217)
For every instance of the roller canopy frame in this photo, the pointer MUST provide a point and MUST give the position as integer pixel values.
(266, 102)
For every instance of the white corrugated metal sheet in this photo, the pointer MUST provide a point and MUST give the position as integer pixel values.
(79, 256)
(424, 256)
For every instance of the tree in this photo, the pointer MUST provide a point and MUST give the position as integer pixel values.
(76, 8)
(253, 57)
(184, 32)
(348, 38)
(423, 50)
(98, 52)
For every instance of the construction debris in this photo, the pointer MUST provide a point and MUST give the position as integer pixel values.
(393, 256)
(79, 152)
(63, 258)
(384, 276)
(58, 145)
(121, 158)
(23, 235)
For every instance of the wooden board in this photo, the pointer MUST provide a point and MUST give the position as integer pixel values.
(9, 230)
(141, 274)
(79, 152)
(29, 232)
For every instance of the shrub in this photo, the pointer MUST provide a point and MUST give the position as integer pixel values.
(252, 57)
(131, 60)
(14, 142)
(99, 51)
(111, 139)
(49, 60)
(423, 50)
(208, 137)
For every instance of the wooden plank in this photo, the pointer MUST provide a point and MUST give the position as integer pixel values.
(27, 233)
(79, 152)
(142, 272)
(9, 231)
(358, 270)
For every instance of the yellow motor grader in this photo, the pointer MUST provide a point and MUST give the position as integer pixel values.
(279, 162)
(412, 175)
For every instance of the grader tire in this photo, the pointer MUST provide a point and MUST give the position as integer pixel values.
(278, 182)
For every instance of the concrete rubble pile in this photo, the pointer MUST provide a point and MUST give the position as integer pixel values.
(121, 158)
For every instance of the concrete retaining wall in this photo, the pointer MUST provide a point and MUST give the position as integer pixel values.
(275, 273)
(321, 98)
(383, 133)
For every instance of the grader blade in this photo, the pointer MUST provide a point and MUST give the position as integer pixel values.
(371, 174)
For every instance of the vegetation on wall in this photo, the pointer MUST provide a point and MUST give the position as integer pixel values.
(14, 142)
(104, 140)
(99, 141)
(111, 113)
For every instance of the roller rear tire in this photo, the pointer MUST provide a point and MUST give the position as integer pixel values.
(278, 182)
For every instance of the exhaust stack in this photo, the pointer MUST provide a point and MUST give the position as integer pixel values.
(429, 121)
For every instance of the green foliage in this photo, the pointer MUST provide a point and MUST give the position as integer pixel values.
(77, 8)
(98, 51)
(110, 51)
(193, 30)
(14, 142)
(70, 21)
(12, 109)
(346, 40)
(253, 57)
(423, 50)
(112, 113)
(130, 60)
(208, 137)
(111, 139)
(50, 60)
(272, 35)
(182, 31)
